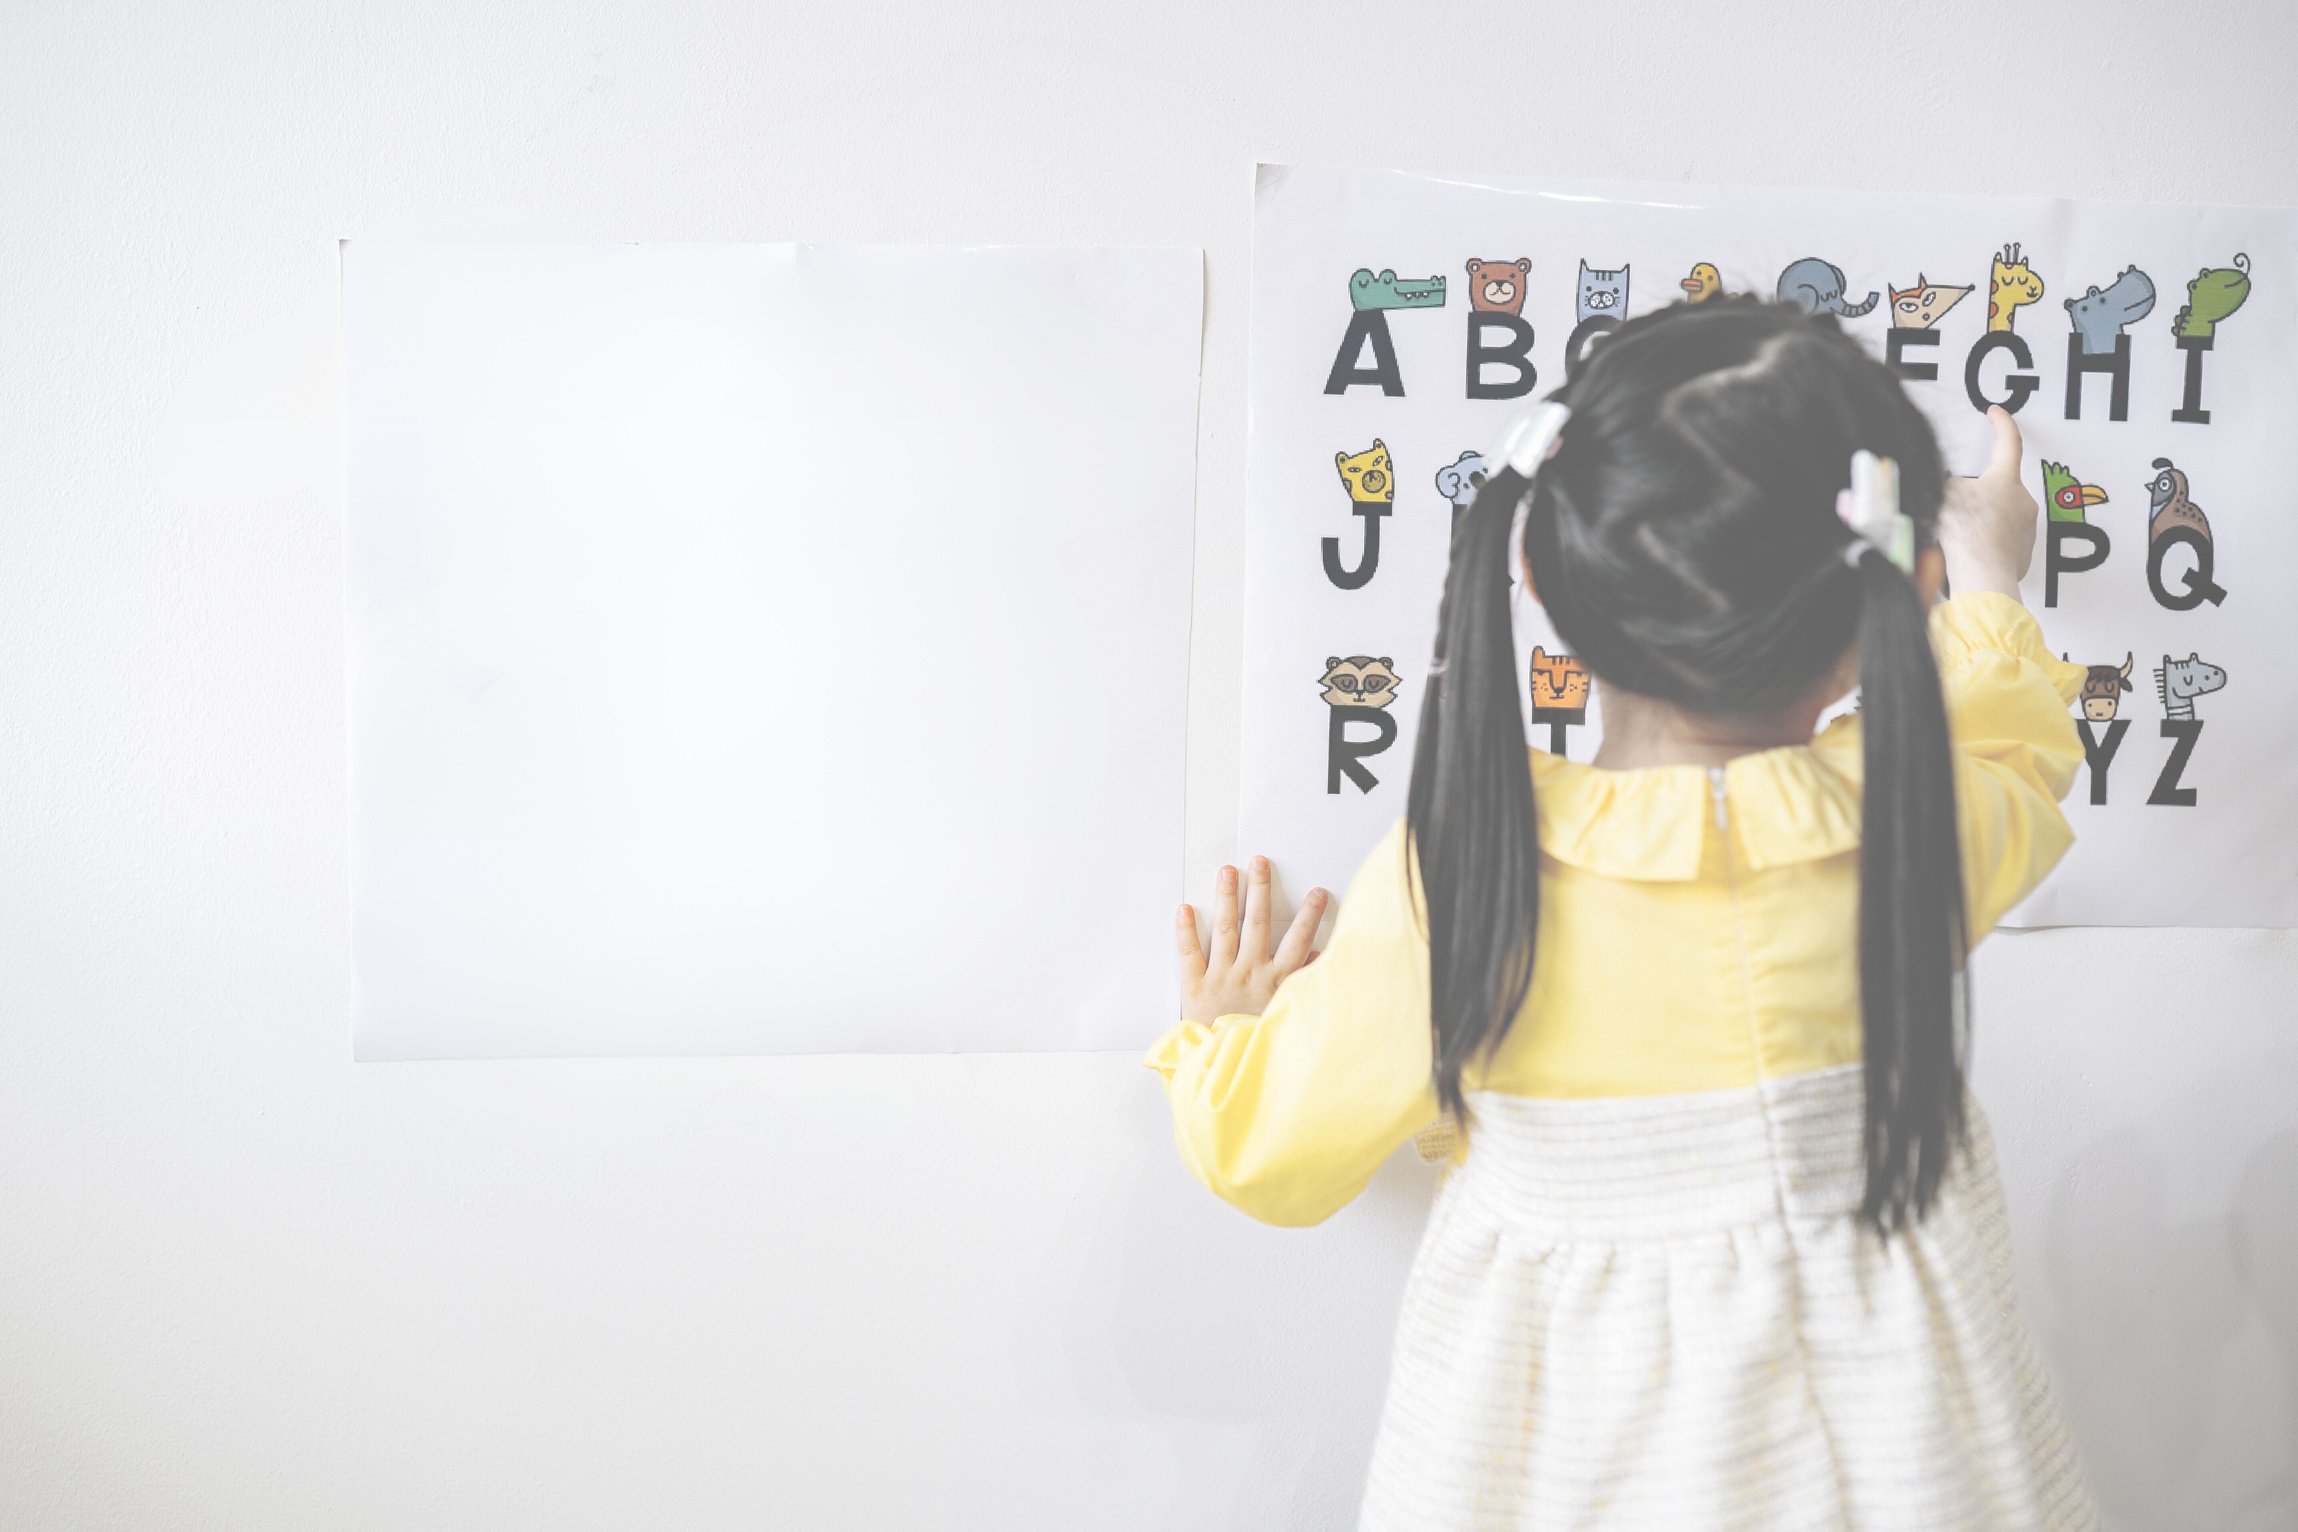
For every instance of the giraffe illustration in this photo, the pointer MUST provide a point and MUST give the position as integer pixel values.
(2010, 287)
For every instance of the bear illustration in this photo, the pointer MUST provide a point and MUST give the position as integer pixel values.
(1497, 287)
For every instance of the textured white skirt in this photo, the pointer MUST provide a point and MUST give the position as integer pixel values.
(1662, 1312)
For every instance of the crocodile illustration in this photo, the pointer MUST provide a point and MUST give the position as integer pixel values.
(1816, 287)
(2210, 297)
(2100, 317)
(1387, 290)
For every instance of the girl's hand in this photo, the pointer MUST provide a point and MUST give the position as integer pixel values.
(1987, 525)
(1242, 972)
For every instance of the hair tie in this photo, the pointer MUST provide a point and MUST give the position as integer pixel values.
(1870, 508)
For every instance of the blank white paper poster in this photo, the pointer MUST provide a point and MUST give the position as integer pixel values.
(766, 648)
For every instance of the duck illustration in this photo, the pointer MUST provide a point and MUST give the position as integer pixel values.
(1703, 283)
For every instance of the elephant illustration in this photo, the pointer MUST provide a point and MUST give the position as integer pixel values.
(1816, 287)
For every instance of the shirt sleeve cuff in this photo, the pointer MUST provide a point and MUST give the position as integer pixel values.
(1987, 622)
(1169, 1051)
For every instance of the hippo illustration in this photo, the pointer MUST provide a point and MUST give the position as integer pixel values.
(1816, 287)
(2099, 317)
(2210, 297)
(1459, 481)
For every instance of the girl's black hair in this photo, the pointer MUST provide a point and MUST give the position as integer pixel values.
(1685, 543)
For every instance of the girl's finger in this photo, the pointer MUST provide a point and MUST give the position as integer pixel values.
(1257, 913)
(2003, 460)
(1293, 952)
(1192, 950)
(1224, 918)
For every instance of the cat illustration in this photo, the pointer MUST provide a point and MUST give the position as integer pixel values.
(1602, 294)
(1923, 305)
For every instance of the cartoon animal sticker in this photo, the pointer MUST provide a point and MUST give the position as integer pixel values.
(2177, 522)
(2065, 497)
(2011, 286)
(1367, 474)
(1923, 305)
(1559, 695)
(2103, 686)
(1359, 680)
(2211, 297)
(1816, 287)
(1703, 283)
(1601, 294)
(1357, 692)
(2169, 505)
(1459, 480)
(1387, 290)
(2179, 682)
(2099, 317)
(1497, 287)
(1559, 685)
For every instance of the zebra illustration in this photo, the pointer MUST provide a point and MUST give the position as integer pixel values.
(2179, 682)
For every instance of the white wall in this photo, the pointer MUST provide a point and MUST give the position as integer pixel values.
(246, 1284)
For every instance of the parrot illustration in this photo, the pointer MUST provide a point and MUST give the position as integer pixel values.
(2065, 497)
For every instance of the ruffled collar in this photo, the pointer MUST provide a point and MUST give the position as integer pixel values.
(1796, 803)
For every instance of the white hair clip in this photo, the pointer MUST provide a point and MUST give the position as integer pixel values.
(1870, 508)
(1530, 442)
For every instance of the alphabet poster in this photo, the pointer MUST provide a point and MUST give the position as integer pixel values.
(732, 653)
(1402, 322)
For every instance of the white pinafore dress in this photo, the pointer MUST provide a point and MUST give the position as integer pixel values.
(1662, 1312)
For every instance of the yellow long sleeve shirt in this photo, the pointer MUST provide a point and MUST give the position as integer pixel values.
(1695, 933)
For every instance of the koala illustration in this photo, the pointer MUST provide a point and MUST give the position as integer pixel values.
(1459, 481)
(1359, 681)
(1367, 474)
(1497, 287)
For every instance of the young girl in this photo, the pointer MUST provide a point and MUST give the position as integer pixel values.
(1724, 1244)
